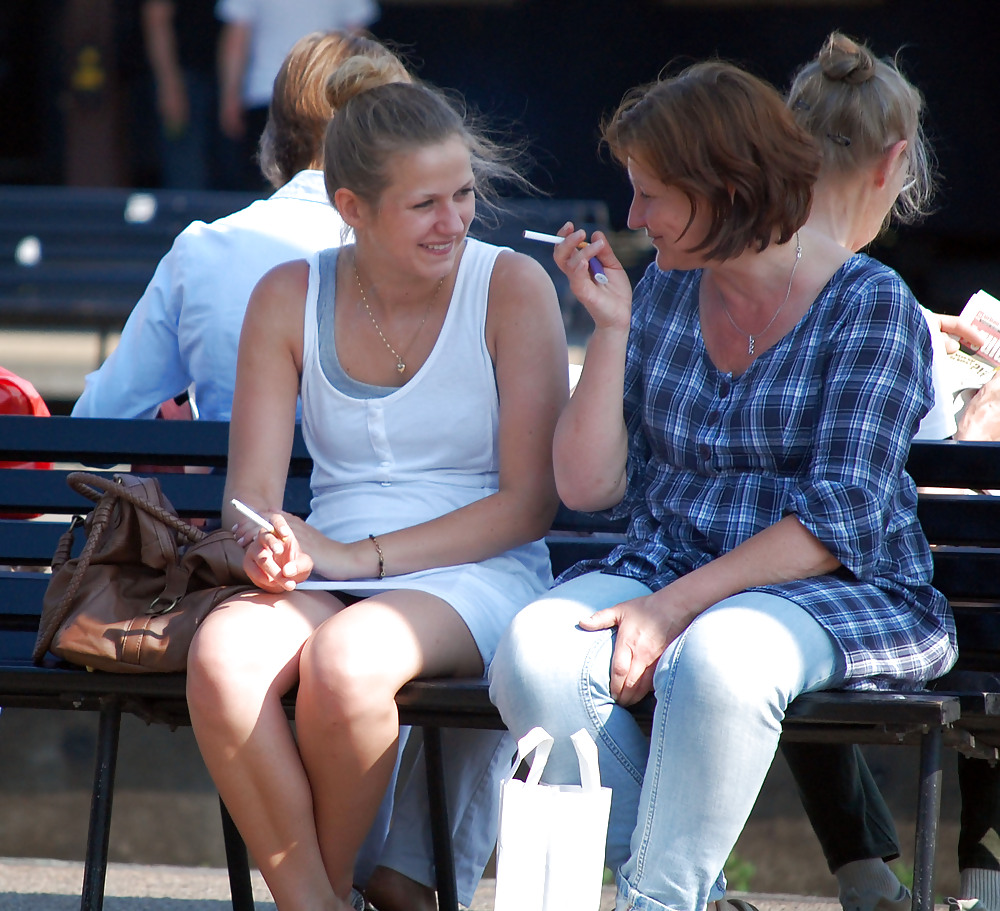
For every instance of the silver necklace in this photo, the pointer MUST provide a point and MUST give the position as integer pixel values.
(400, 363)
(788, 292)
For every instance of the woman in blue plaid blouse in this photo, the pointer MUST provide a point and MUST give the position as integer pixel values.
(771, 382)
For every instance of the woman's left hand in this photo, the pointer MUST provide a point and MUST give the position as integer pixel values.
(277, 561)
(646, 626)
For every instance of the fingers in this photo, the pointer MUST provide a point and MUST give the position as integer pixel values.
(271, 558)
(631, 675)
(634, 690)
(962, 330)
(603, 619)
(621, 663)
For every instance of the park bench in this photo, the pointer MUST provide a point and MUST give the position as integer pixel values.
(79, 258)
(963, 529)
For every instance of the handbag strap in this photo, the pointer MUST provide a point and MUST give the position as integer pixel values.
(52, 620)
(539, 741)
(94, 486)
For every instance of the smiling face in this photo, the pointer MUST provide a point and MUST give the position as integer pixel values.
(665, 213)
(424, 213)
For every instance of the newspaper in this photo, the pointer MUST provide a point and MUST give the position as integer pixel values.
(973, 369)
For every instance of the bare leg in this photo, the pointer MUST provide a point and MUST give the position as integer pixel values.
(346, 717)
(242, 660)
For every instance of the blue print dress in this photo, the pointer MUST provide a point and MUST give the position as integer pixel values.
(818, 427)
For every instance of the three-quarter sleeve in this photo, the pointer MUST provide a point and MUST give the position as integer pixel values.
(876, 388)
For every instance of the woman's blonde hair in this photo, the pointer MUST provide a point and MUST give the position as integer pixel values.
(857, 106)
(376, 121)
(300, 103)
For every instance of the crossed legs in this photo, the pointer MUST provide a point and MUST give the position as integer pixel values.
(305, 802)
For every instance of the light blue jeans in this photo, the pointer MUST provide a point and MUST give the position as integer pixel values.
(680, 798)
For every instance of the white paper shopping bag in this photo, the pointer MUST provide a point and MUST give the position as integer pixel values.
(550, 843)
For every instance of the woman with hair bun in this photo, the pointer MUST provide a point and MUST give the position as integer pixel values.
(771, 383)
(878, 168)
(432, 369)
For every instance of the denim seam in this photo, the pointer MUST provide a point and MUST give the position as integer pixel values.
(657, 766)
(595, 719)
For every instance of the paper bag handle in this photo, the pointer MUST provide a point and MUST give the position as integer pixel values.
(537, 740)
(586, 753)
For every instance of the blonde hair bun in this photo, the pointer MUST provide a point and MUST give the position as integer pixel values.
(359, 74)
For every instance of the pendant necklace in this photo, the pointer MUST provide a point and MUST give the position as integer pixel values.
(788, 292)
(400, 363)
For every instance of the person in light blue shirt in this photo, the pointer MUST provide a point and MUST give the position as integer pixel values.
(184, 331)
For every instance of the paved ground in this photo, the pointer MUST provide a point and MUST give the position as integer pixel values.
(53, 885)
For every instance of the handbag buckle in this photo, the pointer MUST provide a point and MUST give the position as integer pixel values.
(153, 609)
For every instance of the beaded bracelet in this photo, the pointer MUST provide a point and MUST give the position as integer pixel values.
(381, 558)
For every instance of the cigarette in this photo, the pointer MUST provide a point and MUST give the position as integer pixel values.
(254, 517)
(596, 269)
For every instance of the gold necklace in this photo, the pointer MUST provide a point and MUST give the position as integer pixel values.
(788, 291)
(400, 363)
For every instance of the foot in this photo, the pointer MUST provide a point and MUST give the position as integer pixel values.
(390, 890)
(965, 904)
(732, 904)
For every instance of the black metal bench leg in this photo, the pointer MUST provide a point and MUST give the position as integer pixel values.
(238, 862)
(444, 861)
(928, 815)
(96, 864)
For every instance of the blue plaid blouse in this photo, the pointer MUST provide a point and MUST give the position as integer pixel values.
(819, 427)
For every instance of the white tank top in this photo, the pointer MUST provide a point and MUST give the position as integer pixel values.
(425, 449)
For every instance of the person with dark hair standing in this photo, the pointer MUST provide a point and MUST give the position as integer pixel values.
(877, 167)
(749, 409)
(180, 38)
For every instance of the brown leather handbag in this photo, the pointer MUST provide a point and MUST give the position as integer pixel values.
(145, 579)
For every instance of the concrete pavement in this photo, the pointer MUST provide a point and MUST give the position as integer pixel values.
(54, 885)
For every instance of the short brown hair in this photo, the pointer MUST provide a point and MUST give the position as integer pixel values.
(726, 139)
(300, 107)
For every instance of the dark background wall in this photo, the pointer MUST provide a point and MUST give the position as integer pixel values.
(550, 68)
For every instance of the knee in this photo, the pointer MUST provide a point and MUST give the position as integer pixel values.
(539, 666)
(731, 659)
(343, 677)
(225, 660)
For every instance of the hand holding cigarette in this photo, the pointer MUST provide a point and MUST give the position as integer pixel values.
(596, 269)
